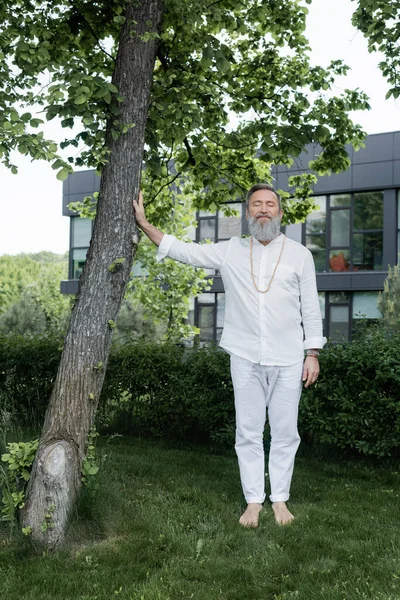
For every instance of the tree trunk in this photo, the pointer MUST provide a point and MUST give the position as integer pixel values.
(56, 473)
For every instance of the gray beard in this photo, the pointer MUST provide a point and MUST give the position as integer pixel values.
(265, 232)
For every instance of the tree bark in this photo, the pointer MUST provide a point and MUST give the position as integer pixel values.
(56, 475)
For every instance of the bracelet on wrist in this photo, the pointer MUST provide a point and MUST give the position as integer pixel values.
(312, 353)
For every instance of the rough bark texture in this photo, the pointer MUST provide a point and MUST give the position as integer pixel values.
(56, 473)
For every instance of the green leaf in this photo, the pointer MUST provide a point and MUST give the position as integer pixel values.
(93, 470)
(80, 99)
(62, 174)
(36, 122)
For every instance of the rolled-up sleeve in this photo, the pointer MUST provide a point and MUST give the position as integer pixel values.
(310, 310)
(207, 256)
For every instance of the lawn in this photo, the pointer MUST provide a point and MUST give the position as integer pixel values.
(160, 523)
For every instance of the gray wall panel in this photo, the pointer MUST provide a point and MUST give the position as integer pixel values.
(396, 172)
(375, 175)
(83, 181)
(377, 147)
(330, 282)
(333, 281)
(72, 198)
(337, 182)
(69, 287)
(396, 142)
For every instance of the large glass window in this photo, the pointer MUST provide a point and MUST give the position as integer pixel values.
(339, 323)
(346, 232)
(230, 226)
(365, 305)
(210, 310)
(81, 233)
(368, 231)
(340, 312)
(316, 233)
(338, 316)
(207, 230)
(340, 227)
(219, 226)
(78, 260)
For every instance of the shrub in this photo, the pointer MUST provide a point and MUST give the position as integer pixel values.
(168, 390)
(356, 402)
(28, 367)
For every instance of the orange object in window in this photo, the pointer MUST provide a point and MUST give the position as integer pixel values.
(339, 263)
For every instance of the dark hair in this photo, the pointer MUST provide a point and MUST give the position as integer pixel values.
(262, 186)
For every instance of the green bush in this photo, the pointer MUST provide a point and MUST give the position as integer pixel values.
(167, 390)
(356, 402)
(28, 367)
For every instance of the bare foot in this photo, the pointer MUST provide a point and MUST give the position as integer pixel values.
(282, 515)
(250, 516)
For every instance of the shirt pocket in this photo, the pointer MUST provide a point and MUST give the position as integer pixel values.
(284, 274)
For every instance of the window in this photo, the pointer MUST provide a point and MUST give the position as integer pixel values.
(81, 233)
(342, 310)
(346, 232)
(78, 260)
(230, 226)
(206, 226)
(218, 226)
(209, 316)
(316, 233)
(338, 316)
(365, 305)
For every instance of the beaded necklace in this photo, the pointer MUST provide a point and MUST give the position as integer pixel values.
(252, 266)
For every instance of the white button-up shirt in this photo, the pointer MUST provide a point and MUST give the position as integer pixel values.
(272, 328)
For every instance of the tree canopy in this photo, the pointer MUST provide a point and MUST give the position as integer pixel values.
(378, 20)
(233, 91)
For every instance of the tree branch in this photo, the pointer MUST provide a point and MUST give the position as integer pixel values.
(192, 160)
(162, 187)
(91, 30)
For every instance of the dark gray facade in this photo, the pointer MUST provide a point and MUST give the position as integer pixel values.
(354, 236)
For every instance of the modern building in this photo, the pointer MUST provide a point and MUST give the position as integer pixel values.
(354, 235)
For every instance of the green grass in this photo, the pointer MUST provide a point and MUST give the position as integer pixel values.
(160, 523)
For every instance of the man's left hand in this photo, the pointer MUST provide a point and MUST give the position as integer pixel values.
(310, 370)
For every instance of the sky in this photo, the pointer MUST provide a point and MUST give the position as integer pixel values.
(31, 202)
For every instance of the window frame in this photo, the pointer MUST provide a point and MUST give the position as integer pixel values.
(216, 217)
(328, 230)
(72, 248)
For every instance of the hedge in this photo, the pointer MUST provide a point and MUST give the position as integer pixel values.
(167, 390)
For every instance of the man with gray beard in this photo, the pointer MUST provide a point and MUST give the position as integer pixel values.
(272, 318)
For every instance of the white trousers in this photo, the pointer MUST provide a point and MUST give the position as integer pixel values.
(258, 387)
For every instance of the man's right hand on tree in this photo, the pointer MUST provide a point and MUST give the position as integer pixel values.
(154, 234)
(138, 208)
